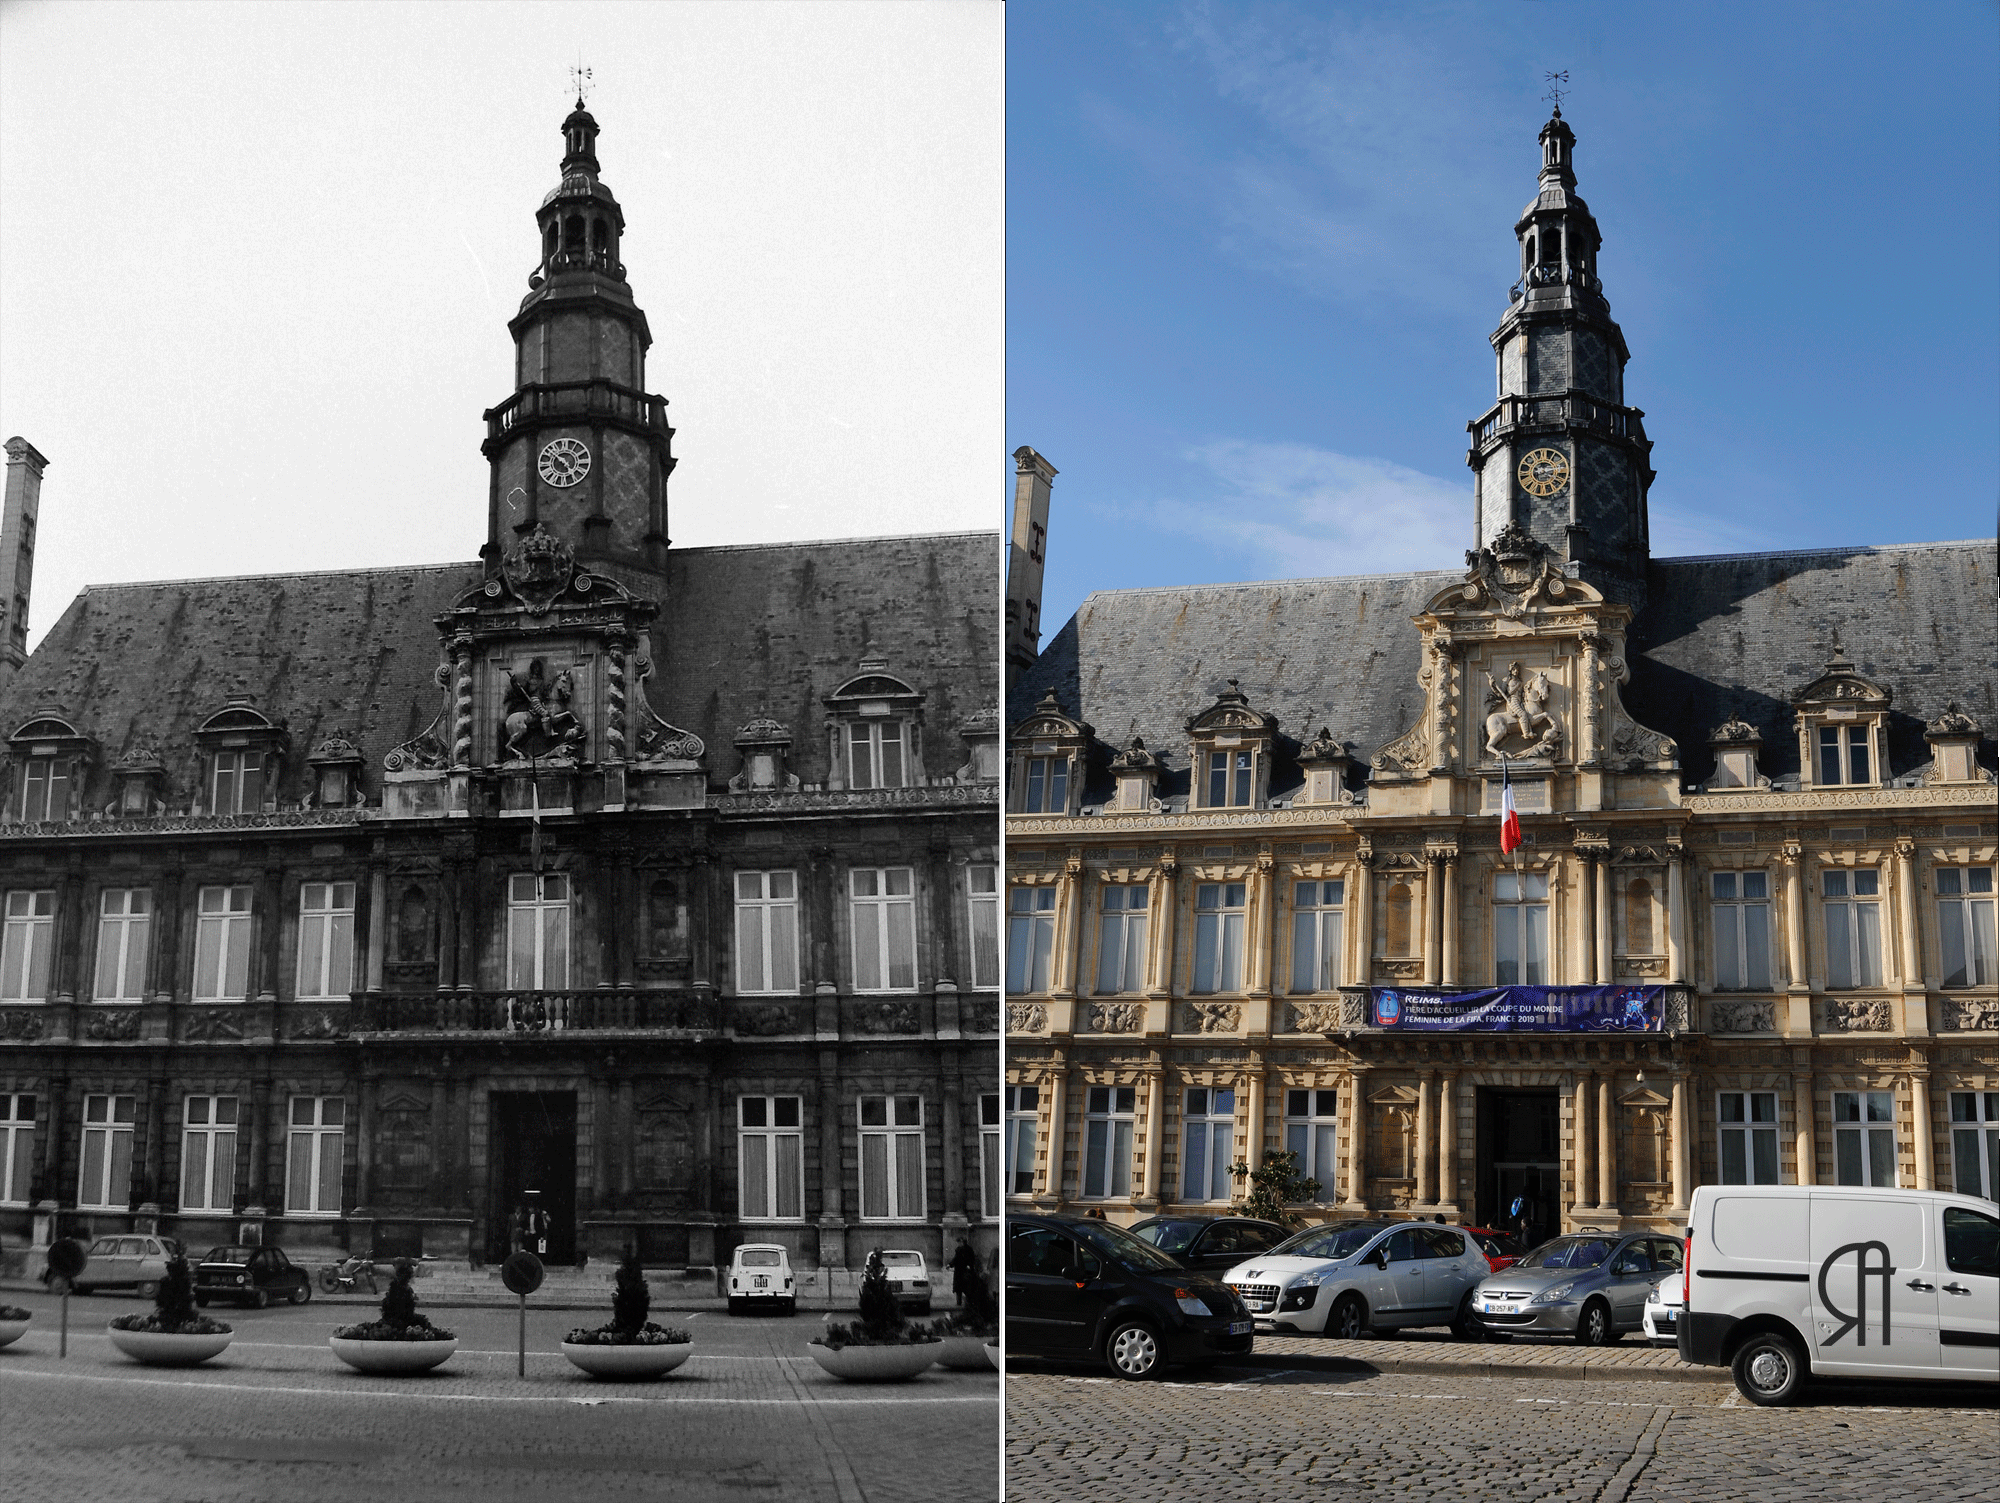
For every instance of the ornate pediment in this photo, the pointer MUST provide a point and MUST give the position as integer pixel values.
(1951, 723)
(1231, 712)
(1733, 732)
(1393, 1095)
(1048, 722)
(1513, 573)
(1842, 684)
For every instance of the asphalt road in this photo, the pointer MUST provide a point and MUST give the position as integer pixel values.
(277, 1416)
(1289, 1426)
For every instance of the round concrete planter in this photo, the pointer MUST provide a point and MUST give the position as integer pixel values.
(12, 1331)
(993, 1353)
(629, 1363)
(963, 1354)
(168, 1348)
(875, 1364)
(391, 1356)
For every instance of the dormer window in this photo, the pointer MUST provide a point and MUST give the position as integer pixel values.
(1048, 786)
(1048, 750)
(1230, 751)
(52, 760)
(1229, 779)
(240, 749)
(875, 754)
(44, 790)
(1843, 725)
(238, 787)
(875, 729)
(1843, 755)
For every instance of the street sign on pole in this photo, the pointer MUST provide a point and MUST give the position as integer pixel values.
(66, 1260)
(522, 1273)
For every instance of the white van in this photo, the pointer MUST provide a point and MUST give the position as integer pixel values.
(1785, 1282)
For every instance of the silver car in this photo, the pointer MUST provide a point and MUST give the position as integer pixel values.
(1348, 1277)
(1589, 1285)
(1663, 1312)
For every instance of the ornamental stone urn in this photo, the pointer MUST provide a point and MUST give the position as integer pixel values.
(170, 1348)
(875, 1364)
(630, 1362)
(12, 1327)
(391, 1357)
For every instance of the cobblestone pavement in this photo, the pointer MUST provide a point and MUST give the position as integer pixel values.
(277, 1416)
(1292, 1424)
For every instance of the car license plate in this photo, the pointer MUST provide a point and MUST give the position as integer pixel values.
(1240, 1327)
(1258, 1304)
(1666, 1320)
(1492, 1307)
(763, 1282)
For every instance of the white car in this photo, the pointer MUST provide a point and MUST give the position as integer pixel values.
(1348, 1277)
(760, 1273)
(1662, 1321)
(909, 1277)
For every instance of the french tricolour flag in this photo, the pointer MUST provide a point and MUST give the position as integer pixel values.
(1510, 822)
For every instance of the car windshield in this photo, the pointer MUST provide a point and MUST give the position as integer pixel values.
(1168, 1236)
(1568, 1252)
(1135, 1253)
(761, 1259)
(227, 1255)
(903, 1259)
(1332, 1242)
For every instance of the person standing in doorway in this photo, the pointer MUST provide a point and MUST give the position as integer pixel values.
(964, 1263)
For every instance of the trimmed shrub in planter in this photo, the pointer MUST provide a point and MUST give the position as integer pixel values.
(965, 1333)
(881, 1345)
(402, 1341)
(631, 1346)
(174, 1335)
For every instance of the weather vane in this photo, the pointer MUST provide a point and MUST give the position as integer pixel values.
(1555, 93)
(579, 78)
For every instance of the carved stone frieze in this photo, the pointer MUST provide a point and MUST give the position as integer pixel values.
(981, 1015)
(319, 1025)
(1214, 1017)
(1968, 1015)
(1114, 1017)
(887, 1017)
(1742, 1017)
(212, 1023)
(1027, 1017)
(112, 1027)
(22, 1025)
(1855, 1015)
(1316, 1017)
(766, 1019)
(1401, 970)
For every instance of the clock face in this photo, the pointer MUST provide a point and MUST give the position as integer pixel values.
(1543, 472)
(565, 461)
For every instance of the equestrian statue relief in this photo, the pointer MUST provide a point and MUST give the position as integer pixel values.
(1523, 705)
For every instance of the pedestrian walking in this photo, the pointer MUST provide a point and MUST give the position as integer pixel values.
(964, 1264)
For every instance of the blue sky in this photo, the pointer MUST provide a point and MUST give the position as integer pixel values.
(1255, 251)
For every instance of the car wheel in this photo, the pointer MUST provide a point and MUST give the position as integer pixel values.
(1466, 1325)
(302, 1293)
(735, 1305)
(261, 1300)
(328, 1280)
(1133, 1350)
(1593, 1326)
(147, 1288)
(1769, 1369)
(791, 1307)
(1349, 1319)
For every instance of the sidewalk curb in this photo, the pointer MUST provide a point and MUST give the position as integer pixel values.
(1571, 1372)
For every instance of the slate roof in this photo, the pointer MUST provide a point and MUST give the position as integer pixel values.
(742, 630)
(1726, 635)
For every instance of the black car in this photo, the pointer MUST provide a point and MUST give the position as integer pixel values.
(1209, 1243)
(251, 1276)
(1078, 1287)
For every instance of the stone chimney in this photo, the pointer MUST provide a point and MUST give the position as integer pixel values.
(17, 551)
(1027, 551)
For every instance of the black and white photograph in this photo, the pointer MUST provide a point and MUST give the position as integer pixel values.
(499, 681)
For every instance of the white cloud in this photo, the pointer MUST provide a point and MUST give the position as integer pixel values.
(1295, 511)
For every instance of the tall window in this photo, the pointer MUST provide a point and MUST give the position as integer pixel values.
(1208, 1134)
(1843, 755)
(1218, 937)
(17, 1148)
(1048, 786)
(538, 931)
(27, 945)
(1018, 1148)
(1521, 929)
(989, 1156)
(313, 1156)
(1316, 931)
(104, 1182)
(1121, 940)
(1965, 924)
(222, 945)
(1310, 1126)
(1975, 1142)
(770, 1156)
(1107, 1142)
(208, 1154)
(1864, 1138)
(1639, 917)
(124, 926)
(45, 790)
(892, 1158)
(326, 939)
(767, 932)
(1748, 1121)
(1031, 938)
(239, 782)
(983, 895)
(1853, 929)
(885, 929)
(1229, 780)
(875, 754)
(1741, 908)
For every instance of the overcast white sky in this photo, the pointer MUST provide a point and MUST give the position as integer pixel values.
(256, 264)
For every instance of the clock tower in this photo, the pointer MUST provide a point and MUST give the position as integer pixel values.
(1559, 456)
(580, 448)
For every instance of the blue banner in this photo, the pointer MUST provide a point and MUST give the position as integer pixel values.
(1519, 1009)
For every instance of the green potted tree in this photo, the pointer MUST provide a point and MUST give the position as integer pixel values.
(881, 1346)
(971, 1335)
(631, 1346)
(401, 1341)
(174, 1335)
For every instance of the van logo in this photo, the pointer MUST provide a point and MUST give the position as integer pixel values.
(1858, 1321)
